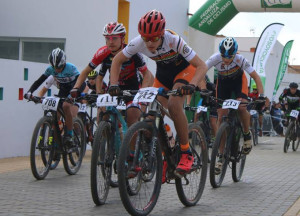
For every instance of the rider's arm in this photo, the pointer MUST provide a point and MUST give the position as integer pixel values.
(258, 82)
(148, 79)
(37, 83)
(117, 62)
(42, 92)
(201, 70)
(82, 77)
(99, 83)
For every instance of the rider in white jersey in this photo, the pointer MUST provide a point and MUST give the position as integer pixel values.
(178, 66)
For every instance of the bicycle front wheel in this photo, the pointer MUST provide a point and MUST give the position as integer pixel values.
(239, 160)
(296, 145)
(41, 149)
(139, 193)
(254, 131)
(101, 163)
(220, 156)
(288, 137)
(190, 188)
(74, 154)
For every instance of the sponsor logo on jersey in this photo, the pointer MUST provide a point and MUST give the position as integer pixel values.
(186, 49)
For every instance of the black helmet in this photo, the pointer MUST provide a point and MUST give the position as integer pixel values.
(293, 85)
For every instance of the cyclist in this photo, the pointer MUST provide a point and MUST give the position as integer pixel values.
(178, 66)
(66, 75)
(48, 83)
(91, 83)
(114, 34)
(292, 96)
(254, 95)
(232, 80)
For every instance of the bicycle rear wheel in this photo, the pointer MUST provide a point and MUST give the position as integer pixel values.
(74, 154)
(207, 132)
(222, 136)
(296, 145)
(41, 150)
(101, 163)
(139, 196)
(254, 131)
(239, 160)
(190, 188)
(288, 137)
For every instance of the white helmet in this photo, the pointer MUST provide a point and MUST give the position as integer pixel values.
(114, 28)
(57, 58)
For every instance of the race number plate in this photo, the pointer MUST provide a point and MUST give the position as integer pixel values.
(82, 108)
(201, 109)
(253, 112)
(50, 103)
(145, 95)
(294, 113)
(121, 105)
(105, 100)
(232, 104)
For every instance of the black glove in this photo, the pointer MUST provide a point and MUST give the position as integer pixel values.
(74, 93)
(187, 89)
(261, 100)
(114, 90)
(28, 95)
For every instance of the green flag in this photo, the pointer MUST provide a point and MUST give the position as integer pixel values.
(282, 66)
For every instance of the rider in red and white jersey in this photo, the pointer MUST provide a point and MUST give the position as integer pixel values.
(178, 66)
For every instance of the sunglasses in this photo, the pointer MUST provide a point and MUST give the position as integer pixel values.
(227, 57)
(113, 38)
(152, 39)
(91, 78)
(58, 68)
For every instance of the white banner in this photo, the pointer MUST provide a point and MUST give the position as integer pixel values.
(264, 47)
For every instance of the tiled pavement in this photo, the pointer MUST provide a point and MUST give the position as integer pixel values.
(270, 186)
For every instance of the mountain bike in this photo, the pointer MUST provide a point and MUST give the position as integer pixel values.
(292, 132)
(140, 159)
(230, 138)
(106, 145)
(89, 122)
(47, 141)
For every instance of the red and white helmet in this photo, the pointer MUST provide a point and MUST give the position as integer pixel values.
(114, 28)
(152, 24)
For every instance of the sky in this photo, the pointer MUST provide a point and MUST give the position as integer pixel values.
(241, 24)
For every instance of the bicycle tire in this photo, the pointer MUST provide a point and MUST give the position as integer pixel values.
(295, 146)
(72, 157)
(140, 207)
(287, 139)
(44, 152)
(217, 182)
(190, 194)
(254, 132)
(100, 167)
(93, 127)
(54, 163)
(238, 163)
(209, 145)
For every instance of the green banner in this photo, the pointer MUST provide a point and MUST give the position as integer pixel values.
(283, 65)
(276, 3)
(213, 16)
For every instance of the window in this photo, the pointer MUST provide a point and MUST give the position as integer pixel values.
(39, 51)
(9, 49)
(29, 49)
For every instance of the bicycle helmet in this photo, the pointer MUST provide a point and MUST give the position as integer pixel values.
(254, 86)
(152, 24)
(93, 74)
(228, 47)
(57, 58)
(293, 85)
(114, 28)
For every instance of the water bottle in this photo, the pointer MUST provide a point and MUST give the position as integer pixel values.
(170, 136)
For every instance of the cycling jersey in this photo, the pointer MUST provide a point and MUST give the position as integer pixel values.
(232, 81)
(171, 57)
(129, 75)
(293, 100)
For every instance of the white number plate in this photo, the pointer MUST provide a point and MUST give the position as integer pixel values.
(145, 95)
(233, 104)
(294, 113)
(201, 109)
(121, 105)
(50, 103)
(105, 100)
(82, 108)
(253, 112)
